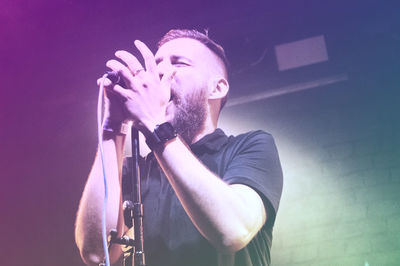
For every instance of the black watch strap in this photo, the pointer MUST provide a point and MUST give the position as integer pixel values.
(161, 134)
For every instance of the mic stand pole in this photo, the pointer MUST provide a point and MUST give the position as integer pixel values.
(132, 205)
(133, 210)
(137, 217)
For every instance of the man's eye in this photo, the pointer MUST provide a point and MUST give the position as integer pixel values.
(180, 64)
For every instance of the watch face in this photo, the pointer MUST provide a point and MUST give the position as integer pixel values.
(161, 134)
(165, 131)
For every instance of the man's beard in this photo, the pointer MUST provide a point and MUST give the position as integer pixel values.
(190, 115)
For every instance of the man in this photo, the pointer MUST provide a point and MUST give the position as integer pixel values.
(208, 199)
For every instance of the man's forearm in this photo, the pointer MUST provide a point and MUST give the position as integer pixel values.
(88, 223)
(227, 215)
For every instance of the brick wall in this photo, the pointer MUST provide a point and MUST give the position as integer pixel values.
(339, 148)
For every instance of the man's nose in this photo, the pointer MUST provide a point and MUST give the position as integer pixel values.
(163, 68)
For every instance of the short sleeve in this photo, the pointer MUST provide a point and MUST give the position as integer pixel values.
(254, 162)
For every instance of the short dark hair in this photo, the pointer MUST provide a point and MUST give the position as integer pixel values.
(204, 39)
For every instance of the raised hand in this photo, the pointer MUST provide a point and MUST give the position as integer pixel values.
(114, 110)
(146, 95)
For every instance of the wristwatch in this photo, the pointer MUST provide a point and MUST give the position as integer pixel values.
(161, 134)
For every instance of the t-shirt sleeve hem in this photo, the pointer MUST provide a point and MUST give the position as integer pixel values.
(269, 208)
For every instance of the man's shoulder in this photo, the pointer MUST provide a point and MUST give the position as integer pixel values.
(251, 137)
(259, 133)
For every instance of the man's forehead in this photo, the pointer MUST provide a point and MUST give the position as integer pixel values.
(186, 47)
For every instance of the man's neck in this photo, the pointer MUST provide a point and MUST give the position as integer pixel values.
(209, 127)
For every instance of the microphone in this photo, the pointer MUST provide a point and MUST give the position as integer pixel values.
(115, 78)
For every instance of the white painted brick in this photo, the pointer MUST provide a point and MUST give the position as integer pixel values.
(383, 208)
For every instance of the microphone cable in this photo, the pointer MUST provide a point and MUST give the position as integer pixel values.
(100, 139)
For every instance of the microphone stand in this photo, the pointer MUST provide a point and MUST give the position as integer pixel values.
(133, 210)
(132, 205)
(137, 206)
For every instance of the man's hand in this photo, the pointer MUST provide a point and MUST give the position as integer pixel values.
(114, 109)
(146, 95)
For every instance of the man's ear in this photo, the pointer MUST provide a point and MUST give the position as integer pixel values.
(219, 88)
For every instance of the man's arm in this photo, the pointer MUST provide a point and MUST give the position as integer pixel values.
(228, 216)
(88, 233)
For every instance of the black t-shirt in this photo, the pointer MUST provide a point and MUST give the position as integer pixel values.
(171, 239)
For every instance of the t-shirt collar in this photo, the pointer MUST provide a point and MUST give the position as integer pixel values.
(213, 141)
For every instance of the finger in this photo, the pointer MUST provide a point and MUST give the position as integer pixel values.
(130, 60)
(122, 70)
(121, 92)
(107, 82)
(107, 85)
(148, 57)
